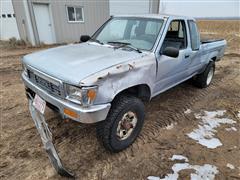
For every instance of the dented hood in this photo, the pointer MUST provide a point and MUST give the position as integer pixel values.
(72, 63)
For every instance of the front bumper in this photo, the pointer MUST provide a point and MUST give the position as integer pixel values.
(46, 137)
(90, 114)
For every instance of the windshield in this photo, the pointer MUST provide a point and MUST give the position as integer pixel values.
(141, 33)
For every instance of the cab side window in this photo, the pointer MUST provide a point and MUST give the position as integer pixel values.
(194, 35)
(176, 35)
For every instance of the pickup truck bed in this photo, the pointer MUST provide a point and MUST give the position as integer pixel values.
(213, 48)
(205, 41)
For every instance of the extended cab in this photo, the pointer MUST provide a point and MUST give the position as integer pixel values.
(106, 78)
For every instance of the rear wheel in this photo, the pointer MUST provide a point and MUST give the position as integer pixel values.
(204, 79)
(123, 123)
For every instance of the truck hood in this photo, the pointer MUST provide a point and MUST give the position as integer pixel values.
(72, 63)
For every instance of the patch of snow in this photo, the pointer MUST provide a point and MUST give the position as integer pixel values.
(153, 178)
(188, 111)
(176, 168)
(206, 171)
(238, 114)
(179, 157)
(230, 166)
(204, 135)
(231, 129)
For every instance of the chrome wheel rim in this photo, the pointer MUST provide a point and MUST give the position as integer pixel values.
(126, 125)
(210, 76)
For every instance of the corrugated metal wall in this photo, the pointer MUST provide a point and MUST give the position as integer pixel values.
(21, 18)
(133, 6)
(95, 13)
(129, 7)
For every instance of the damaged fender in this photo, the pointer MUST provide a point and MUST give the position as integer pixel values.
(115, 79)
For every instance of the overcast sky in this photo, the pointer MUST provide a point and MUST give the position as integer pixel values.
(201, 8)
(195, 8)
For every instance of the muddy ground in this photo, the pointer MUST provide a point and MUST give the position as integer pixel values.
(22, 155)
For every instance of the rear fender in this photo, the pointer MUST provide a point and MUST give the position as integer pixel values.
(205, 66)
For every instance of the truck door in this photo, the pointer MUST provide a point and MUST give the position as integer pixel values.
(194, 45)
(173, 70)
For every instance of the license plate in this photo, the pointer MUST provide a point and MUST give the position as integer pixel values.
(39, 104)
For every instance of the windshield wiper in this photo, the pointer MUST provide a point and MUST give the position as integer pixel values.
(125, 44)
(119, 42)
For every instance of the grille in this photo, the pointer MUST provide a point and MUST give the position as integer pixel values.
(45, 84)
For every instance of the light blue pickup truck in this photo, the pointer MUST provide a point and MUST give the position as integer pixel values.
(105, 78)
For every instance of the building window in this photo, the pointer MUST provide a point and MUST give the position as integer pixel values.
(14, 15)
(4, 15)
(9, 15)
(75, 14)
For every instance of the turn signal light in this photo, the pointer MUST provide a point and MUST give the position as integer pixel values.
(70, 113)
(91, 94)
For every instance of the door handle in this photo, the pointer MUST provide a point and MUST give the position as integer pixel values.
(187, 56)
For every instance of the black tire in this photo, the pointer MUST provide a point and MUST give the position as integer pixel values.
(107, 130)
(201, 80)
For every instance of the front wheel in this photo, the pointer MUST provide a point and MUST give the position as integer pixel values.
(123, 123)
(204, 79)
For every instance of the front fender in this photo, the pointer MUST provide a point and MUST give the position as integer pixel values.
(116, 79)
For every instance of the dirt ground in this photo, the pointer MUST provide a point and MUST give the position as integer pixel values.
(164, 133)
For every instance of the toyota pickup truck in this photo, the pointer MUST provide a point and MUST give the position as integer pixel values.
(106, 78)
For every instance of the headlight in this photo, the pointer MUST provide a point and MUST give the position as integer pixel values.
(84, 95)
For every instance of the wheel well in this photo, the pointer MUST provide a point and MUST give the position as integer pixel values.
(141, 91)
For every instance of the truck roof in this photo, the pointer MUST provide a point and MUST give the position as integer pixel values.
(156, 16)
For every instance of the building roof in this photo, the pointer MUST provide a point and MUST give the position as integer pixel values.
(155, 16)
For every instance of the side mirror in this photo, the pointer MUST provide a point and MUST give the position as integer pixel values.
(84, 38)
(171, 52)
